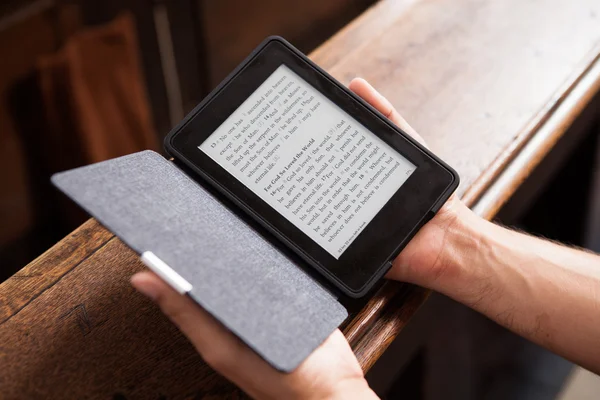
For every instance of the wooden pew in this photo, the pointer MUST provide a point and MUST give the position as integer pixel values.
(491, 85)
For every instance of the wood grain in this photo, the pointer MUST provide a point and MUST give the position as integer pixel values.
(478, 79)
(27, 284)
(533, 152)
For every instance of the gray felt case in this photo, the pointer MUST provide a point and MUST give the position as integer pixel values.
(235, 274)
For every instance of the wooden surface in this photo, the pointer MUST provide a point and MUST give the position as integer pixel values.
(480, 80)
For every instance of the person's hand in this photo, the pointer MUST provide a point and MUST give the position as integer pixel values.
(425, 261)
(331, 371)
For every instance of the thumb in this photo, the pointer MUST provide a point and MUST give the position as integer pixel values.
(369, 94)
(209, 337)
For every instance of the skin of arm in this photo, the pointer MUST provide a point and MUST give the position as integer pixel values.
(545, 292)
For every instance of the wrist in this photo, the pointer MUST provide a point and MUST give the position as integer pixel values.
(442, 255)
(474, 268)
(462, 271)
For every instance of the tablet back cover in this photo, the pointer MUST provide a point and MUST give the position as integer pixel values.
(237, 276)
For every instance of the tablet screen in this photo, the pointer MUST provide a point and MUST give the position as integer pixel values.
(309, 160)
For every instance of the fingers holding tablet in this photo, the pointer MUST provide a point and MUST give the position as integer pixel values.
(369, 94)
(318, 376)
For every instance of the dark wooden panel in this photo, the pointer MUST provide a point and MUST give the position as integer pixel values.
(36, 34)
(189, 41)
(234, 27)
(99, 12)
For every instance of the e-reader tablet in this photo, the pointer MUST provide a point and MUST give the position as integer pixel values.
(325, 173)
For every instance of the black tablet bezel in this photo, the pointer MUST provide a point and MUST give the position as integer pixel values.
(368, 256)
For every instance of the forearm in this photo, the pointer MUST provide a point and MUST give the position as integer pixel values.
(545, 292)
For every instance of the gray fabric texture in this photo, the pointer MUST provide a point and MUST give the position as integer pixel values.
(237, 275)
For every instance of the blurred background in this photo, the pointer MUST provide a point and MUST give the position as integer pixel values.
(83, 81)
(89, 80)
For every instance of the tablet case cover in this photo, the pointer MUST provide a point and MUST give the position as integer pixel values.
(238, 276)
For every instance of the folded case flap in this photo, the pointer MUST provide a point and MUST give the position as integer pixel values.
(236, 275)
